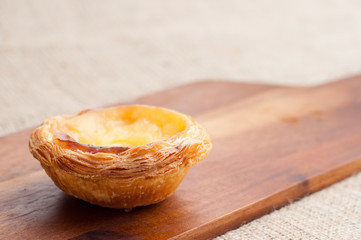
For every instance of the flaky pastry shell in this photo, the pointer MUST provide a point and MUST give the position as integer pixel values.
(119, 176)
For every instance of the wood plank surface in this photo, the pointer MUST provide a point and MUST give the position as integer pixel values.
(272, 145)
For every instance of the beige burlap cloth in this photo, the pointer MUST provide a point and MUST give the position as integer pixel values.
(61, 56)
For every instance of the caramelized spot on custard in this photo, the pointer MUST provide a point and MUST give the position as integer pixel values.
(68, 142)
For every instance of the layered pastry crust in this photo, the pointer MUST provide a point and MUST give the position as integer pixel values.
(120, 157)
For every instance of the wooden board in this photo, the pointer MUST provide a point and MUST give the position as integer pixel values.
(272, 145)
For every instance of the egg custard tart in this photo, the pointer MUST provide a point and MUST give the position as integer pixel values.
(119, 157)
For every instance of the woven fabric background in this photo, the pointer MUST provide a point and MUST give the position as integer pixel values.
(59, 57)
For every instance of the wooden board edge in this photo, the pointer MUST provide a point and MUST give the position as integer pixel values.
(267, 205)
(356, 77)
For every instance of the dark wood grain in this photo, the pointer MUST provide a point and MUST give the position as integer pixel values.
(272, 145)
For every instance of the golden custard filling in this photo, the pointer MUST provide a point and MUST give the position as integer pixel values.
(128, 127)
